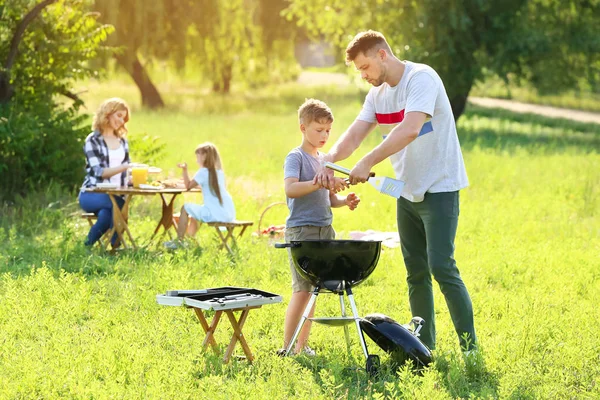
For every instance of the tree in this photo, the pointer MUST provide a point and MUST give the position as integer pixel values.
(246, 40)
(44, 48)
(555, 45)
(459, 38)
(146, 30)
(6, 88)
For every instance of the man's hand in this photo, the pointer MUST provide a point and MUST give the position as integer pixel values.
(324, 176)
(352, 201)
(360, 172)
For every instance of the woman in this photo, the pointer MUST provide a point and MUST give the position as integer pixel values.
(107, 159)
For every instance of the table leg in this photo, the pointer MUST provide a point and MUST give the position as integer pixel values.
(238, 335)
(166, 220)
(209, 330)
(120, 217)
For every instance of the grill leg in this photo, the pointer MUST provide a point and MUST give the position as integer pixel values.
(346, 331)
(309, 306)
(357, 320)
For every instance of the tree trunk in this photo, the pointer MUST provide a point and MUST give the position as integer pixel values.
(458, 104)
(227, 74)
(6, 89)
(222, 82)
(151, 98)
(458, 99)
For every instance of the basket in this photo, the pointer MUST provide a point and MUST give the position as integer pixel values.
(274, 231)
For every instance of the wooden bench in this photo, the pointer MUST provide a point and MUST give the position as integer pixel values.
(230, 227)
(91, 217)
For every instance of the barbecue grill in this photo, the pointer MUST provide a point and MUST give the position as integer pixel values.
(336, 266)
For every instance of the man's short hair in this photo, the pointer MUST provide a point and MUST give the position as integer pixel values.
(364, 42)
(314, 110)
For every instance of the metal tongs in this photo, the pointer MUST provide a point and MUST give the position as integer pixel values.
(391, 187)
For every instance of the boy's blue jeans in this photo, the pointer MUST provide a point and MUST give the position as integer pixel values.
(99, 204)
(427, 231)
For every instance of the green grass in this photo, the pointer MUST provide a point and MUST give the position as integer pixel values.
(79, 324)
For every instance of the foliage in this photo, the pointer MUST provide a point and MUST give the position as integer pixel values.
(532, 38)
(79, 324)
(40, 137)
(145, 148)
(145, 32)
(553, 45)
(244, 39)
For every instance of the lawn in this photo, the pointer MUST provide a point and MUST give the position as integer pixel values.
(79, 324)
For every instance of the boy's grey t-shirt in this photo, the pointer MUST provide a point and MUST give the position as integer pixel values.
(314, 208)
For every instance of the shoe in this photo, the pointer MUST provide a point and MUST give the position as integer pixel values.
(175, 244)
(281, 352)
(308, 351)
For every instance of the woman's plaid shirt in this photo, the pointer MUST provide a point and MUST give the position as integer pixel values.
(96, 154)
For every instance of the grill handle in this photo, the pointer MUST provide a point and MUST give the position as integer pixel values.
(341, 169)
(286, 245)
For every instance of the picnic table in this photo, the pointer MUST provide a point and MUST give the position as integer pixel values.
(121, 216)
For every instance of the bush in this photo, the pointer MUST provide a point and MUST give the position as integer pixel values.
(40, 138)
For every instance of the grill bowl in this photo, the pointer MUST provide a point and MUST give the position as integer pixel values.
(330, 263)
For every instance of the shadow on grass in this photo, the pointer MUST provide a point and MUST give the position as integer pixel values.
(20, 256)
(494, 129)
(464, 376)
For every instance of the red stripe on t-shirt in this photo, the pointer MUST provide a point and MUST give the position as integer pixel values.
(392, 118)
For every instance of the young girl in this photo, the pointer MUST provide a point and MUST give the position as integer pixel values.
(218, 205)
(107, 159)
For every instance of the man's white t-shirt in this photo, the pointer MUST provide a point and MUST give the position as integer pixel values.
(433, 162)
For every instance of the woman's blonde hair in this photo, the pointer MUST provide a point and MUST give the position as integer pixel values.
(212, 162)
(108, 108)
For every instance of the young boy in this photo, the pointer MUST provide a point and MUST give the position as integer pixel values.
(310, 207)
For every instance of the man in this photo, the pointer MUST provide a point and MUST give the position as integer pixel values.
(410, 104)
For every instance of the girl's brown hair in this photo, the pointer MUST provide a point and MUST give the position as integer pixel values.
(212, 162)
(108, 108)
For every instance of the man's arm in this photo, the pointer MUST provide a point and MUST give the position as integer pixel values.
(399, 137)
(342, 149)
(350, 140)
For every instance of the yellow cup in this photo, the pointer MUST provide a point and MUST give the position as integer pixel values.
(139, 175)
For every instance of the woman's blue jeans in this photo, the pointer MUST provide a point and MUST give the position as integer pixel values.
(99, 204)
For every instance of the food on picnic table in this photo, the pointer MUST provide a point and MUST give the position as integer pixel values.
(172, 183)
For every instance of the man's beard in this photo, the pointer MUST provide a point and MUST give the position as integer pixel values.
(380, 79)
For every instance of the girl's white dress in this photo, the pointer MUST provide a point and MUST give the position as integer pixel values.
(211, 210)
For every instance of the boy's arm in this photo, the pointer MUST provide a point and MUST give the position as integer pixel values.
(337, 201)
(294, 188)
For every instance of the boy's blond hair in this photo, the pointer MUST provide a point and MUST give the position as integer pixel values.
(314, 110)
